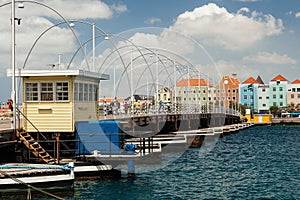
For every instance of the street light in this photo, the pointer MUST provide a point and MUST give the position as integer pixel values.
(20, 5)
(70, 24)
(13, 49)
(93, 42)
(13, 64)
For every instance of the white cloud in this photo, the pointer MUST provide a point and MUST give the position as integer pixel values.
(38, 17)
(152, 20)
(244, 9)
(78, 9)
(269, 58)
(243, 71)
(120, 8)
(214, 25)
(297, 15)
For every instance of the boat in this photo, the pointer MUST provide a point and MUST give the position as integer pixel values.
(22, 179)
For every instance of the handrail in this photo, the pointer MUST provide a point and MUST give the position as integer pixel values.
(32, 124)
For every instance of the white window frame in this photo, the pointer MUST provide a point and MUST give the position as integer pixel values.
(63, 91)
(46, 92)
(31, 92)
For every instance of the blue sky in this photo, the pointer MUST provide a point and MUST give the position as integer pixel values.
(247, 37)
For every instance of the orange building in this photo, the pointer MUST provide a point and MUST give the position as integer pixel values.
(227, 92)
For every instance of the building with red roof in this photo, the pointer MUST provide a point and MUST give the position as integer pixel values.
(255, 94)
(293, 95)
(192, 94)
(278, 90)
(228, 91)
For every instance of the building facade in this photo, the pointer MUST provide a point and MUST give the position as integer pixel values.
(263, 95)
(248, 93)
(293, 95)
(191, 95)
(227, 92)
(278, 90)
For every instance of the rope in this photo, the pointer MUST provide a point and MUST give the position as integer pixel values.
(30, 186)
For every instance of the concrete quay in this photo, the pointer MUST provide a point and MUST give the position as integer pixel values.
(287, 120)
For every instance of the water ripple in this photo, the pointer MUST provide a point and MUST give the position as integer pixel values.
(257, 163)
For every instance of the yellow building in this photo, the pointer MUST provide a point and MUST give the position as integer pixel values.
(53, 100)
(258, 118)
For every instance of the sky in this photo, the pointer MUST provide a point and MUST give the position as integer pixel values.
(246, 37)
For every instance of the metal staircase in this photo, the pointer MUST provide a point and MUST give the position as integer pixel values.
(35, 148)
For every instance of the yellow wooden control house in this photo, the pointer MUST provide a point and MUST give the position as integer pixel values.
(53, 100)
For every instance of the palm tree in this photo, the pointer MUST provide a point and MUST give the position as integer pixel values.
(290, 107)
(243, 109)
(275, 110)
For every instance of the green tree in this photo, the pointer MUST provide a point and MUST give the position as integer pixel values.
(243, 109)
(275, 110)
(290, 107)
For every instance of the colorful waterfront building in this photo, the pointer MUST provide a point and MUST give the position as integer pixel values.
(248, 93)
(278, 90)
(213, 103)
(263, 95)
(164, 95)
(254, 93)
(191, 95)
(293, 94)
(228, 91)
(164, 99)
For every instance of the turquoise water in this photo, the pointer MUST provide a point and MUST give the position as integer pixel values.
(262, 162)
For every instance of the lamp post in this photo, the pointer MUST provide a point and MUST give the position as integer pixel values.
(175, 101)
(157, 106)
(13, 64)
(94, 38)
(189, 88)
(13, 50)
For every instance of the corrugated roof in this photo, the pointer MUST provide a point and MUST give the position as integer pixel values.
(250, 80)
(297, 81)
(191, 82)
(279, 78)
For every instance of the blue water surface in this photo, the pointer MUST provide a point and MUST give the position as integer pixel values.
(261, 162)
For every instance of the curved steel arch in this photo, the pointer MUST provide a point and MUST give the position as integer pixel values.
(84, 43)
(61, 16)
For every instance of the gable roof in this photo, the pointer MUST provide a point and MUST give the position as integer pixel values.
(191, 82)
(250, 80)
(259, 80)
(279, 78)
(235, 81)
(297, 81)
